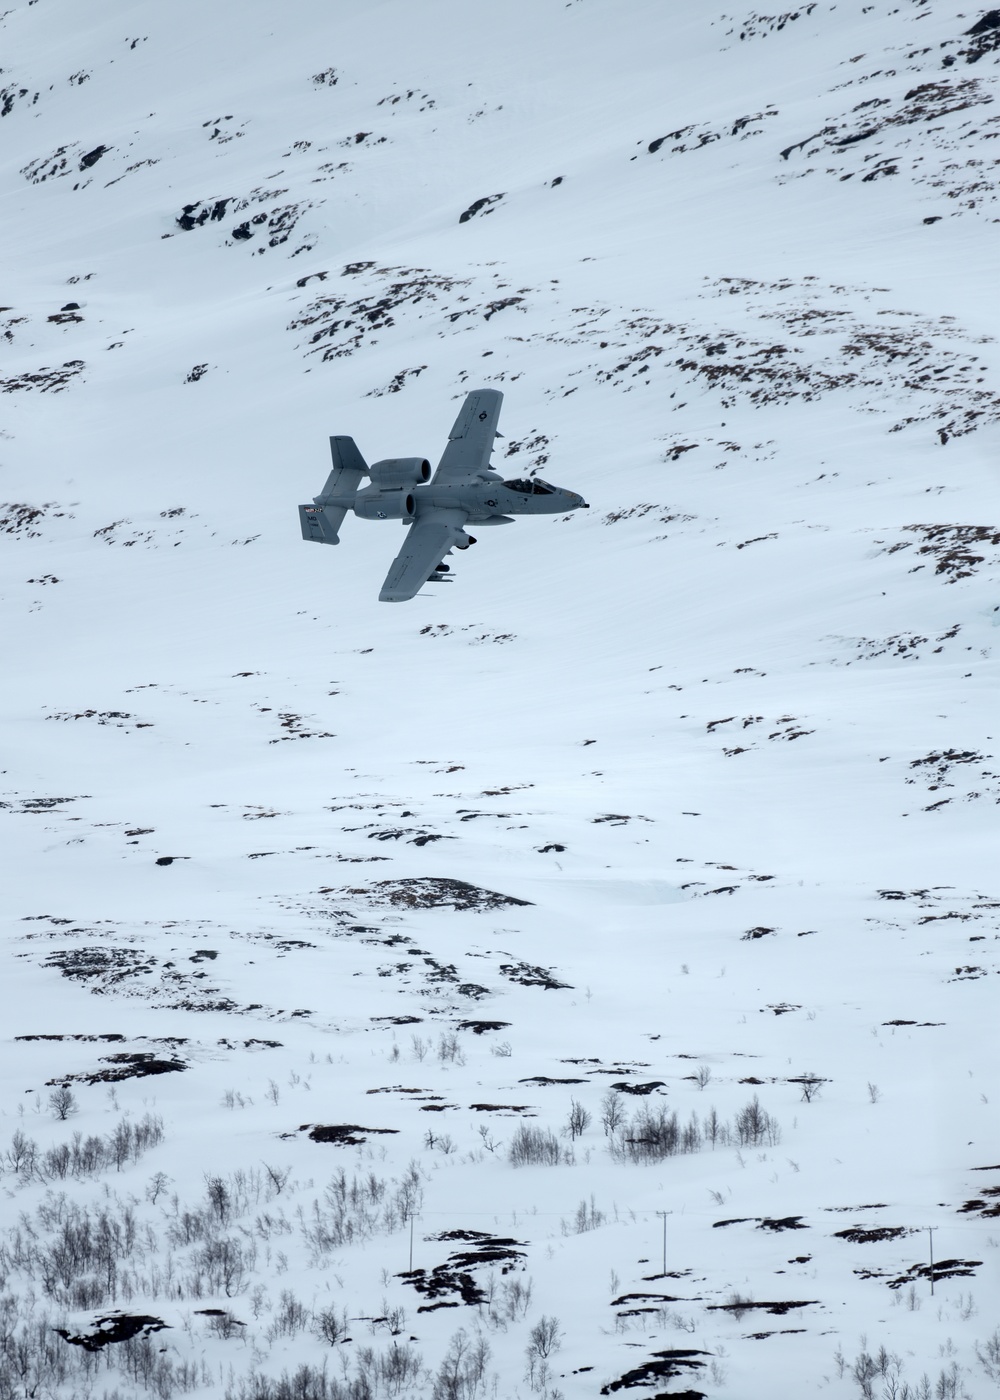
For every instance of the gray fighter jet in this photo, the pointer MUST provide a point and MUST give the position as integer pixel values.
(435, 509)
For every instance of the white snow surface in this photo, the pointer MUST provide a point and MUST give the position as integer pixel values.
(725, 742)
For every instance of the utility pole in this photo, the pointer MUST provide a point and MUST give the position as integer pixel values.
(930, 1236)
(411, 1242)
(664, 1214)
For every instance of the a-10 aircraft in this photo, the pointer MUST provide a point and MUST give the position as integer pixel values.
(435, 509)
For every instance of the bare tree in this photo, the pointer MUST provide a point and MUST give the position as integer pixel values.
(543, 1339)
(612, 1112)
(62, 1102)
(810, 1084)
(278, 1177)
(579, 1119)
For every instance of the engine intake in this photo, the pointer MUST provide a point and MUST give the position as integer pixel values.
(399, 471)
(385, 505)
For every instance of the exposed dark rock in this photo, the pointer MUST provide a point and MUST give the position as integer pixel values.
(990, 20)
(194, 215)
(118, 1327)
(776, 1309)
(455, 1275)
(100, 963)
(127, 1065)
(944, 1268)
(344, 1134)
(645, 1298)
(528, 976)
(46, 379)
(432, 893)
(982, 1207)
(665, 1366)
(112, 1037)
(92, 157)
(478, 205)
(502, 1108)
(544, 1079)
(857, 1234)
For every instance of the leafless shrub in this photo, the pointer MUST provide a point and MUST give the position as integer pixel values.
(545, 1337)
(502, 1049)
(703, 1076)
(653, 1133)
(224, 1324)
(508, 1300)
(489, 1141)
(356, 1208)
(290, 1318)
(22, 1155)
(219, 1199)
(755, 1128)
(331, 1325)
(988, 1355)
(737, 1303)
(390, 1371)
(713, 1128)
(587, 1217)
(221, 1265)
(306, 1383)
(462, 1374)
(531, 1147)
(449, 1050)
(884, 1370)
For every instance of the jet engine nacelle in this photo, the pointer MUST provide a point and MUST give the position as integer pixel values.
(399, 471)
(385, 505)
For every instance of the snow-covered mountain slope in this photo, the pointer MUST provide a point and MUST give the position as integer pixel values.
(378, 948)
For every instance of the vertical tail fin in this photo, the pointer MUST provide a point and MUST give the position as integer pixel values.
(348, 468)
(322, 520)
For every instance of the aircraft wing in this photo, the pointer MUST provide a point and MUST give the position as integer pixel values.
(470, 441)
(427, 541)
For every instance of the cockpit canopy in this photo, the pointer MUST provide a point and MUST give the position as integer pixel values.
(532, 487)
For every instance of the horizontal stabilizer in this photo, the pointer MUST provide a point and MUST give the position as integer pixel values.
(321, 523)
